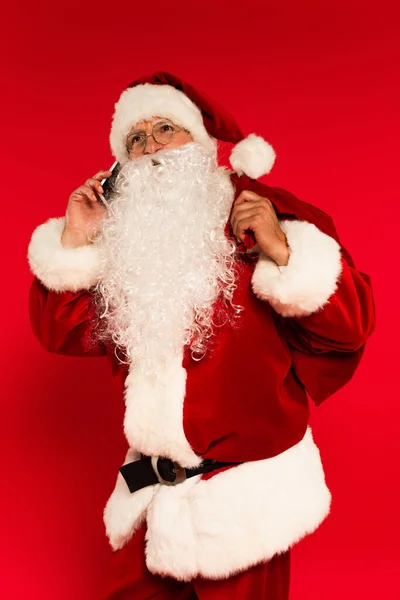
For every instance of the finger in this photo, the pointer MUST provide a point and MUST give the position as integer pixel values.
(245, 214)
(247, 196)
(87, 192)
(246, 206)
(94, 184)
(243, 226)
(101, 175)
(246, 221)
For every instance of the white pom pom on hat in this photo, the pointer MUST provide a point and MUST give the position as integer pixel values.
(252, 156)
(164, 95)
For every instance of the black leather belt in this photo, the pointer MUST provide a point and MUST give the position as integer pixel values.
(154, 469)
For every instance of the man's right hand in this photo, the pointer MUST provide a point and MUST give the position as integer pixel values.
(85, 212)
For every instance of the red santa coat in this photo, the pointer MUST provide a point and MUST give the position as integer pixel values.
(302, 332)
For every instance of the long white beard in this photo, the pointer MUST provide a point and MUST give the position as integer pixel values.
(165, 257)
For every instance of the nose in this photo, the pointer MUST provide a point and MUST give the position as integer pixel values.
(152, 146)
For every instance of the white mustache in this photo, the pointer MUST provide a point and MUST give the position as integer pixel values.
(168, 158)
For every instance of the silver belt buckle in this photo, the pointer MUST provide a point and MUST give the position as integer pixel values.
(180, 473)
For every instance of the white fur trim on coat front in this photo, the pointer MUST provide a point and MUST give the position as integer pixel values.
(58, 268)
(146, 101)
(153, 426)
(153, 421)
(311, 276)
(243, 516)
(252, 156)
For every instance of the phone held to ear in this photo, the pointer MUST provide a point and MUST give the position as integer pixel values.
(108, 183)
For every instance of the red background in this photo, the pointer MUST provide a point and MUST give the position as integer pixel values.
(319, 80)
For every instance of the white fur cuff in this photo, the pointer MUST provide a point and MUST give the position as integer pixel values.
(61, 269)
(309, 279)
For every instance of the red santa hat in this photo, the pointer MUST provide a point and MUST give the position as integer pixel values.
(164, 95)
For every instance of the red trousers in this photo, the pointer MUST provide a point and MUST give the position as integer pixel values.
(129, 579)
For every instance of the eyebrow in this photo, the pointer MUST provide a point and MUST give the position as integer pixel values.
(160, 121)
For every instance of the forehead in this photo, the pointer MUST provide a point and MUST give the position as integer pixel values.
(147, 124)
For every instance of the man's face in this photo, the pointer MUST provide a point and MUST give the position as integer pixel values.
(166, 127)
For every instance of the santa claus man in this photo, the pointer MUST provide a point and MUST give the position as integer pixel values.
(222, 304)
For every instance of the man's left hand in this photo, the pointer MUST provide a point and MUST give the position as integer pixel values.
(254, 212)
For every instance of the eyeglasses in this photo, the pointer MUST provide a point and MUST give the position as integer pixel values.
(162, 133)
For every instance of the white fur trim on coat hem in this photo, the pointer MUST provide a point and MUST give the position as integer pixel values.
(61, 269)
(243, 516)
(311, 276)
(124, 512)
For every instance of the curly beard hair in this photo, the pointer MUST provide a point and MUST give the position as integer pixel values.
(165, 257)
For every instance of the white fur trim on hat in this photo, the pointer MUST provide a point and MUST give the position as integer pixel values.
(146, 101)
(252, 156)
(58, 268)
(311, 276)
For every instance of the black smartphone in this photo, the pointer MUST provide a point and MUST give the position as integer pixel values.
(108, 183)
